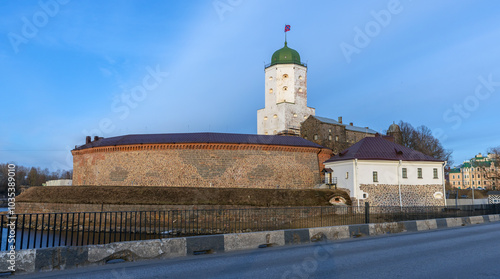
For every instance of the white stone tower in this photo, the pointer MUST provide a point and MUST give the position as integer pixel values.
(286, 94)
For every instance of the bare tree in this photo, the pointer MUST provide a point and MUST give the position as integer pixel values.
(422, 140)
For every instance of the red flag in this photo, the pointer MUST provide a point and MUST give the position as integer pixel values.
(287, 28)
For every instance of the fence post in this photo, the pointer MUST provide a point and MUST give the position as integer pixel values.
(367, 212)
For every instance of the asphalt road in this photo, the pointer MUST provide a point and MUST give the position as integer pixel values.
(465, 252)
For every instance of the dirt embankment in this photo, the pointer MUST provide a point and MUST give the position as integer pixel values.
(180, 196)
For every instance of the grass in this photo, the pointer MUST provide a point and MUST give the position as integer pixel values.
(180, 196)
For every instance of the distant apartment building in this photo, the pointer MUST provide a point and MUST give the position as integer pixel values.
(478, 172)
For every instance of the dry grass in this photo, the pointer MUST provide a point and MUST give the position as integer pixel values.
(180, 196)
(478, 194)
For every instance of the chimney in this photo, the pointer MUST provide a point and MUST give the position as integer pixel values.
(389, 138)
(340, 119)
(96, 138)
(352, 124)
(88, 139)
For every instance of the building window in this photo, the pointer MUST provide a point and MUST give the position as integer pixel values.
(347, 175)
(336, 138)
(375, 176)
(458, 176)
(330, 137)
(419, 172)
(435, 171)
(479, 183)
(285, 76)
(458, 182)
(315, 137)
(472, 176)
(453, 176)
(405, 173)
(329, 130)
(453, 182)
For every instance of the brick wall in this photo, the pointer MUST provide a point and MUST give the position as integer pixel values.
(200, 165)
(411, 195)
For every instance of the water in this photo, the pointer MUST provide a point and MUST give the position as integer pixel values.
(36, 239)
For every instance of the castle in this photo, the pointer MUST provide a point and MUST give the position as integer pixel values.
(286, 111)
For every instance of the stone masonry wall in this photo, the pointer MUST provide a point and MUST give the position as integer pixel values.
(200, 166)
(411, 195)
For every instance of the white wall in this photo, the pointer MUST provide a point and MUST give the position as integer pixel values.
(289, 106)
(60, 182)
(388, 172)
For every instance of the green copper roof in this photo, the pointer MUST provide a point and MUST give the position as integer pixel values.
(285, 55)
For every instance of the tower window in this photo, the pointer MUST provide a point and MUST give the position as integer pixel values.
(270, 90)
(285, 76)
(275, 116)
(305, 116)
(265, 117)
(300, 77)
(294, 115)
(265, 132)
(300, 89)
(285, 88)
(315, 137)
(274, 132)
(270, 78)
(375, 176)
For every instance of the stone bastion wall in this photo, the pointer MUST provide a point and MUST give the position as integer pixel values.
(200, 165)
(411, 195)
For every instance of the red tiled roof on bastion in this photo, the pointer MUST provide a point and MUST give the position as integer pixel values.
(200, 138)
(378, 148)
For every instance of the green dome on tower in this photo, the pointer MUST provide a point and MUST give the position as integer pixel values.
(285, 55)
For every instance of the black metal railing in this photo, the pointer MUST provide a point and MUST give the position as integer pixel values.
(38, 230)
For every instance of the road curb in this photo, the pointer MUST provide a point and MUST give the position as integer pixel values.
(60, 258)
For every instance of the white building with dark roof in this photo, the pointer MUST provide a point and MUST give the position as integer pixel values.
(383, 173)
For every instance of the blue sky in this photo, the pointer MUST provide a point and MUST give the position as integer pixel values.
(108, 68)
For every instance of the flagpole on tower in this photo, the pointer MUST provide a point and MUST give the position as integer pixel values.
(287, 28)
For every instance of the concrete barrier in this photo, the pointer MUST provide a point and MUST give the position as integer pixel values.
(58, 258)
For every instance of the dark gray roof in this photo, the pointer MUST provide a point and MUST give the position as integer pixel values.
(493, 192)
(347, 127)
(200, 138)
(378, 148)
